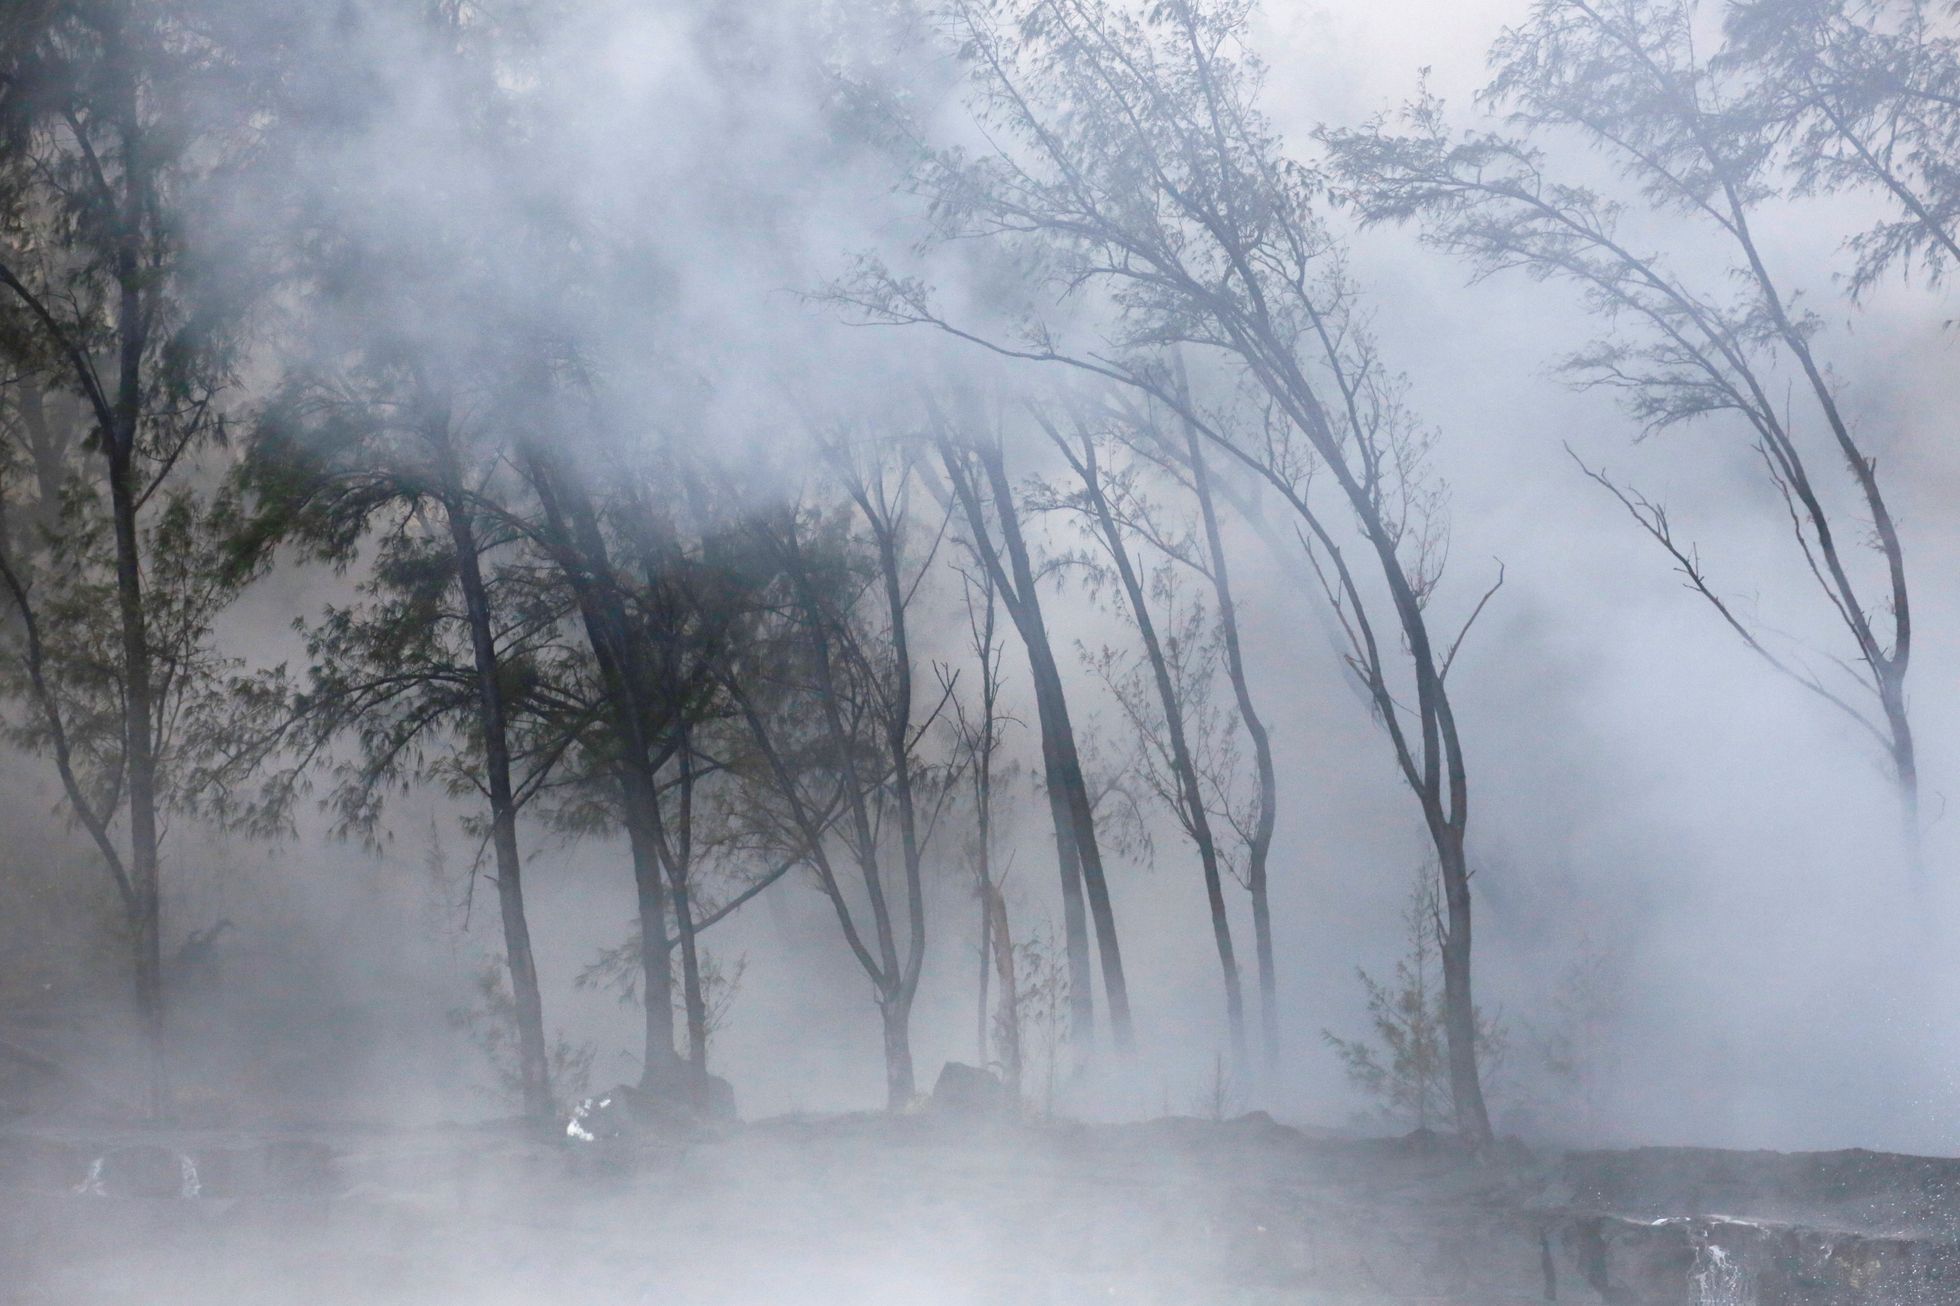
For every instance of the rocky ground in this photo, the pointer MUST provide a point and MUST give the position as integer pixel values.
(951, 1208)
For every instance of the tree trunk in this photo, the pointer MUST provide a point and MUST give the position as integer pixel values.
(1197, 821)
(1260, 847)
(1009, 1023)
(658, 1061)
(534, 1070)
(1068, 861)
(1905, 765)
(1459, 1008)
(660, 866)
(900, 1087)
(119, 447)
(1059, 754)
(145, 915)
(1075, 912)
(981, 1042)
(693, 997)
(680, 869)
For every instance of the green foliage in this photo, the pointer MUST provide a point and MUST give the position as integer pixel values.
(490, 1022)
(1402, 1065)
(618, 969)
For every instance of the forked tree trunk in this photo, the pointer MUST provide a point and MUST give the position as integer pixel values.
(1075, 912)
(679, 881)
(660, 869)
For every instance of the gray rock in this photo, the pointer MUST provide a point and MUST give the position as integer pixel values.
(969, 1090)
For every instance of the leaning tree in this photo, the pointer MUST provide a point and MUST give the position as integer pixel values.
(1126, 160)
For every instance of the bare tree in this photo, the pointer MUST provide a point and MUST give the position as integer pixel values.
(1181, 458)
(1259, 839)
(1128, 156)
(1626, 75)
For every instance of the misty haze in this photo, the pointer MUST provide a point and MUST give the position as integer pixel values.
(979, 651)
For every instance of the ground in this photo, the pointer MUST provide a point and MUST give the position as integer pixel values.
(939, 1208)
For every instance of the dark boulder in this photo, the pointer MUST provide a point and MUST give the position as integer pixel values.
(672, 1110)
(969, 1090)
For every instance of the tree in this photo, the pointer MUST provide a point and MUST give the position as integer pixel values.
(1684, 135)
(120, 124)
(1862, 94)
(976, 469)
(415, 376)
(444, 642)
(980, 737)
(829, 702)
(1259, 837)
(1127, 157)
(656, 640)
(1178, 455)
(1164, 729)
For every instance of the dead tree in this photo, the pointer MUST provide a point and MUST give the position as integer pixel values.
(980, 737)
(1259, 840)
(1177, 449)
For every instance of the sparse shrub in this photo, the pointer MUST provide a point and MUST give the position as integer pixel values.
(491, 1023)
(1220, 1097)
(1403, 1064)
(618, 968)
(1042, 986)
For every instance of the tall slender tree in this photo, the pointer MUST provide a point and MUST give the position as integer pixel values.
(976, 469)
(1128, 155)
(1187, 790)
(841, 780)
(119, 128)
